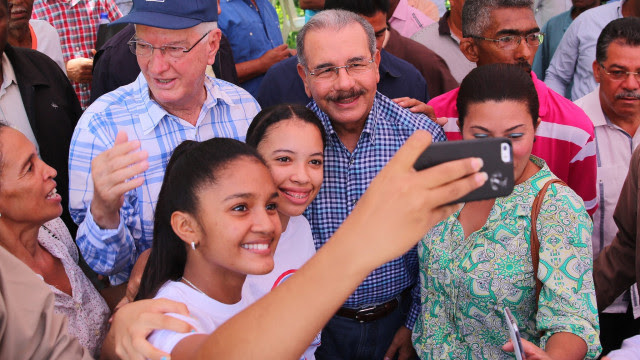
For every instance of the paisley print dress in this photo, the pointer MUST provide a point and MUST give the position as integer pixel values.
(466, 283)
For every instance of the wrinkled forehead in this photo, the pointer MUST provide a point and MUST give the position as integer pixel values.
(152, 34)
(331, 47)
(511, 21)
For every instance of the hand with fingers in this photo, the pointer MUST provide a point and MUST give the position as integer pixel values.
(401, 344)
(133, 323)
(114, 172)
(416, 199)
(531, 351)
(417, 106)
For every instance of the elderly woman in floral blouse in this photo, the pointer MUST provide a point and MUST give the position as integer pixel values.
(478, 261)
(30, 229)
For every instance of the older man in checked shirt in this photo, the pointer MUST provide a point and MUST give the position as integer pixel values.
(123, 141)
(338, 63)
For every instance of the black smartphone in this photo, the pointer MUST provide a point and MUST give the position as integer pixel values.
(496, 153)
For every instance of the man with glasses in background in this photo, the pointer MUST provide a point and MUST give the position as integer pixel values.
(123, 141)
(505, 31)
(338, 63)
(614, 109)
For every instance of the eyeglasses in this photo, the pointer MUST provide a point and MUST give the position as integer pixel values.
(620, 75)
(330, 73)
(511, 42)
(144, 49)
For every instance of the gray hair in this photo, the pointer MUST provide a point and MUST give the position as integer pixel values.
(476, 14)
(333, 20)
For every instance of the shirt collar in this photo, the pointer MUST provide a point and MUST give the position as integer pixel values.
(543, 93)
(402, 11)
(155, 113)
(525, 193)
(8, 75)
(443, 25)
(387, 66)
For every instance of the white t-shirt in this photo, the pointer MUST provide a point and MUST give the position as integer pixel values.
(48, 41)
(294, 249)
(206, 313)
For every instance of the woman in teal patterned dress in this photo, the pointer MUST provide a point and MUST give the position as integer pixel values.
(478, 261)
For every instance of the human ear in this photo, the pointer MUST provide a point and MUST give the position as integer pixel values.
(304, 77)
(213, 40)
(186, 227)
(469, 49)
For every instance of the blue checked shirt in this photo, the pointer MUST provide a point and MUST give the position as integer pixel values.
(226, 112)
(347, 176)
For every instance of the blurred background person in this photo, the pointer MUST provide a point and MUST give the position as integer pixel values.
(33, 34)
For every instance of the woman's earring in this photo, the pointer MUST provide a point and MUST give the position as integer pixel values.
(193, 245)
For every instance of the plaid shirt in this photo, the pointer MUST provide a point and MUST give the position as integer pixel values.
(77, 24)
(347, 176)
(226, 112)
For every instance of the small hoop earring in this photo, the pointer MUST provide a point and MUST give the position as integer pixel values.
(193, 245)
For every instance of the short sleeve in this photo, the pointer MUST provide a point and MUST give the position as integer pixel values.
(567, 300)
(166, 340)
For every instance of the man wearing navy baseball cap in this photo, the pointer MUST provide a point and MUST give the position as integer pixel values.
(123, 141)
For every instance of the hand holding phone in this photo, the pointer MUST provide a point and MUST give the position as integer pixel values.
(514, 333)
(496, 153)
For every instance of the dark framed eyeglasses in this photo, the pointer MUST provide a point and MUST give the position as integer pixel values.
(510, 42)
(144, 49)
(620, 75)
(330, 73)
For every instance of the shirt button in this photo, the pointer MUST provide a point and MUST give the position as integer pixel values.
(77, 48)
(77, 305)
(354, 202)
(250, 34)
(351, 161)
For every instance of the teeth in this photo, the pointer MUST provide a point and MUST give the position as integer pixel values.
(164, 81)
(52, 193)
(297, 195)
(255, 246)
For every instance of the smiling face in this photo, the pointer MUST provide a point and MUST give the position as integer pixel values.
(238, 220)
(293, 151)
(504, 21)
(619, 98)
(27, 189)
(509, 119)
(177, 84)
(347, 99)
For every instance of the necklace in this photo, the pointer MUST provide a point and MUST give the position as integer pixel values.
(191, 284)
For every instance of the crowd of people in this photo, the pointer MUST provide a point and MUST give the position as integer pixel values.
(193, 188)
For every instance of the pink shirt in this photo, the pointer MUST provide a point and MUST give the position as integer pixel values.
(564, 139)
(407, 20)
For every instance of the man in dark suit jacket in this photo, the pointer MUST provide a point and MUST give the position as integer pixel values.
(52, 109)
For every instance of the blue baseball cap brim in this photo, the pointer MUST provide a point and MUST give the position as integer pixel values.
(171, 14)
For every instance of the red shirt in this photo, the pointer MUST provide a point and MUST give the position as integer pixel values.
(564, 139)
(77, 24)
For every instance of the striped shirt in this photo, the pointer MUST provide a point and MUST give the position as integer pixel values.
(226, 112)
(77, 24)
(564, 139)
(346, 177)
